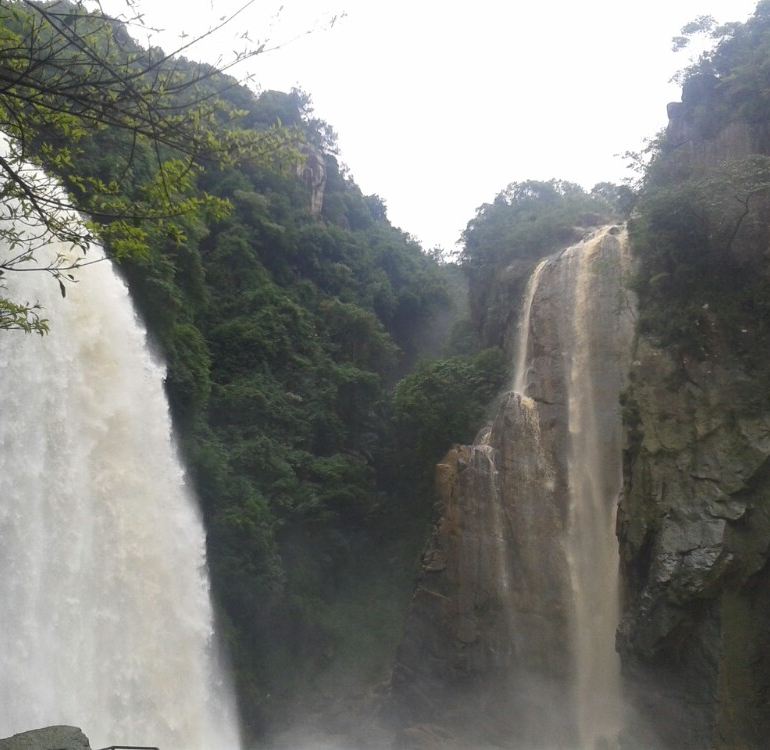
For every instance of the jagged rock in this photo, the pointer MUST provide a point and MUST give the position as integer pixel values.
(490, 304)
(48, 738)
(313, 173)
(694, 523)
(695, 144)
(694, 528)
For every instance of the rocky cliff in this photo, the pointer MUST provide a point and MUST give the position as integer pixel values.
(694, 529)
(694, 525)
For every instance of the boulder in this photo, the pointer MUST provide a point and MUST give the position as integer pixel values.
(48, 738)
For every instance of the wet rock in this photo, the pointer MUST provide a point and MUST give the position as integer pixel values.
(694, 528)
(48, 738)
(313, 173)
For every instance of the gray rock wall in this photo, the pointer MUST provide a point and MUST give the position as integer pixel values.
(694, 524)
(694, 530)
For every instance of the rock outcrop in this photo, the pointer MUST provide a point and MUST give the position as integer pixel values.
(697, 142)
(695, 542)
(48, 738)
(312, 172)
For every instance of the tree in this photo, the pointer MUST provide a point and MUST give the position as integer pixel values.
(67, 71)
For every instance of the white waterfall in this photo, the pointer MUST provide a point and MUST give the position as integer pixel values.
(597, 357)
(520, 369)
(586, 325)
(106, 620)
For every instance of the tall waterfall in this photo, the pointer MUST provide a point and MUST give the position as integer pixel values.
(106, 620)
(511, 636)
(598, 357)
(590, 331)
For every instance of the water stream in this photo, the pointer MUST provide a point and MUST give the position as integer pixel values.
(106, 621)
(571, 359)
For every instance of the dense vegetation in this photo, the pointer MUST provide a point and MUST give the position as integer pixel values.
(700, 230)
(283, 334)
(288, 335)
(526, 222)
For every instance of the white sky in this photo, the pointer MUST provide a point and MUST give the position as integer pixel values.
(440, 104)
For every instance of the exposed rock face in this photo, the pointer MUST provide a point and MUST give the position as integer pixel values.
(695, 542)
(696, 144)
(491, 290)
(49, 738)
(491, 310)
(694, 524)
(460, 662)
(313, 173)
(489, 648)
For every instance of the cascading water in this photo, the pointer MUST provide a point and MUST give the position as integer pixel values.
(107, 622)
(521, 585)
(591, 330)
(597, 362)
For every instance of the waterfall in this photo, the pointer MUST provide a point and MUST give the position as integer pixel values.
(510, 638)
(520, 369)
(586, 327)
(597, 357)
(106, 621)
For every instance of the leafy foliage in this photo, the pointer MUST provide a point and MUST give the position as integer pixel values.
(699, 245)
(729, 82)
(700, 232)
(68, 75)
(444, 402)
(531, 219)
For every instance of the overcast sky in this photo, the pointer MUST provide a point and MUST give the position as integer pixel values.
(440, 104)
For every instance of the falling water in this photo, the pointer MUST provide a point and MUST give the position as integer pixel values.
(513, 622)
(106, 619)
(522, 344)
(588, 324)
(597, 357)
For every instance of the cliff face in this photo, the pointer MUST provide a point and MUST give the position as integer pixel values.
(694, 529)
(694, 524)
(696, 143)
(480, 643)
